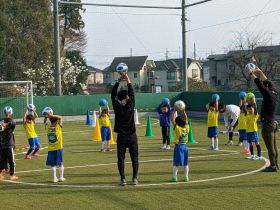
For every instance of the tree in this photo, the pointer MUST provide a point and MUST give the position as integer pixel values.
(194, 85)
(25, 36)
(71, 28)
(251, 48)
(43, 78)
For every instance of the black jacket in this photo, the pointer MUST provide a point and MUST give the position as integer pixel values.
(124, 115)
(269, 102)
(7, 139)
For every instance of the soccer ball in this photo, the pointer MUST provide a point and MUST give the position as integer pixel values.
(165, 101)
(8, 109)
(122, 68)
(242, 95)
(31, 107)
(215, 97)
(251, 66)
(250, 96)
(180, 105)
(103, 102)
(47, 110)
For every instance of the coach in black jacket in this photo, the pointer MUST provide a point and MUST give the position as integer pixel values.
(269, 125)
(123, 104)
(7, 144)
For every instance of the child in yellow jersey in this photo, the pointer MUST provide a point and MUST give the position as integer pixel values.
(212, 123)
(55, 145)
(105, 125)
(252, 131)
(33, 140)
(242, 128)
(180, 155)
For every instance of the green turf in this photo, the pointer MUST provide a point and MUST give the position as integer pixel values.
(254, 191)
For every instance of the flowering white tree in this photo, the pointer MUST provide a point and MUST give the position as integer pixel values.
(43, 78)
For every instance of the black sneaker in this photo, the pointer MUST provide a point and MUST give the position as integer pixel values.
(122, 182)
(270, 169)
(134, 181)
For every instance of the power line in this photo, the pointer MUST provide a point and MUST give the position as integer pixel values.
(144, 14)
(232, 21)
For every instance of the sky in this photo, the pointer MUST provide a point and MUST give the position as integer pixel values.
(212, 26)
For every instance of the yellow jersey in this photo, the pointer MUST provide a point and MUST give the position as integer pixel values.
(54, 133)
(213, 118)
(30, 130)
(251, 120)
(105, 121)
(242, 122)
(181, 134)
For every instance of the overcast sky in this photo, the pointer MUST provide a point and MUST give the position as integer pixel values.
(113, 32)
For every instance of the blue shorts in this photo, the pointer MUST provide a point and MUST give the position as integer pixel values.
(212, 132)
(181, 155)
(105, 133)
(252, 137)
(55, 158)
(34, 142)
(242, 135)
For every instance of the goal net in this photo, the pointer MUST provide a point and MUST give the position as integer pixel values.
(16, 94)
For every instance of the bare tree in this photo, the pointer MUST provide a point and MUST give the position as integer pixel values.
(251, 48)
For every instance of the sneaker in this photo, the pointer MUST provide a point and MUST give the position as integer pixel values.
(102, 150)
(251, 157)
(239, 144)
(55, 180)
(186, 179)
(258, 158)
(123, 182)
(168, 147)
(1, 176)
(163, 147)
(245, 152)
(27, 157)
(270, 169)
(174, 179)
(108, 150)
(211, 148)
(13, 177)
(216, 149)
(36, 155)
(134, 181)
(61, 179)
(229, 143)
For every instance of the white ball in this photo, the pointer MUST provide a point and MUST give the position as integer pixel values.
(180, 105)
(31, 107)
(251, 66)
(47, 110)
(8, 109)
(121, 68)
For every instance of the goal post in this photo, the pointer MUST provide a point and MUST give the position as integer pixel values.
(16, 94)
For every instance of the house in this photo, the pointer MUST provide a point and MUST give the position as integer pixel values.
(168, 73)
(140, 72)
(95, 81)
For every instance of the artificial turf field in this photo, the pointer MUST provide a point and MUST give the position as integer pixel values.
(92, 176)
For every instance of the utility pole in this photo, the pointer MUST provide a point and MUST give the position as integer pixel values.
(194, 51)
(166, 54)
(56, 49)
(184, 48)
(130, 52)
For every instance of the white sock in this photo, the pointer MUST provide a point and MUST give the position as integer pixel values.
(216, 142)
(186, 171)
(61, 171)
(102, 145)
(212, 142)
(246, 145)
(53, 169)
(108, 144)
(175, 171)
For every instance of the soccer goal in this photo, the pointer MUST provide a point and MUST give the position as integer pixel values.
(16, 94)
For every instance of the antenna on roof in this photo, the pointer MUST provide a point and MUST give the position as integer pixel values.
(130, 52)
(166, 54)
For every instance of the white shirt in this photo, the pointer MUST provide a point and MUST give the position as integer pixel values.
(231, 112)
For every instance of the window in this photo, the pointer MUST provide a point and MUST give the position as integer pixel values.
(135, 75)
(171, 75)
(106, 75)
(219, 82)
(194, 73)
